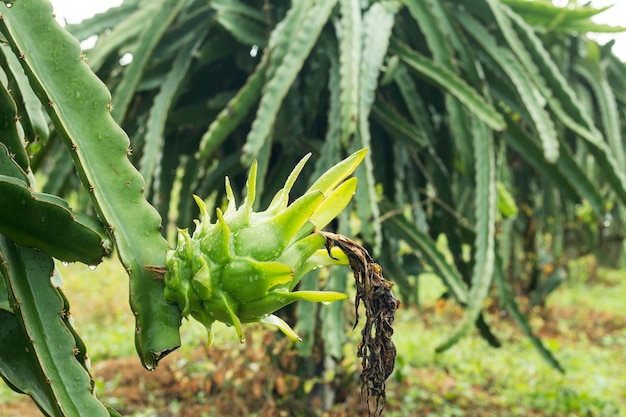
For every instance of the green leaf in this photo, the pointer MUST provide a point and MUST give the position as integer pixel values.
(45, 221)
(350, 54)
(234, 112)
(528, 88)
(100, 22)
(10, 167)
(4, 296)
(307, 317)
(506, 202)
(565, 104)
(397, 125)
(554, 18)
(333, 316)
(414, 103)
(242, 9)
(338, 172)
(153, 142)
(148, 39)
(18, 363)
(38, 308)
(243, 22)
(331, 149)
(607, 108)
(508, 299)
(121, 35)
(99, 150)
(439, 34)
(424, 14)
(377, 23)
(278, 85)
(10, 137)
(30, 111)
(450, 82)
(284, 33)
(516, 46)
(567, 174)
(399, 226)
(62, 172)
(484, 259)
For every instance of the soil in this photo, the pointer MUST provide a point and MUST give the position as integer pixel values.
(250, 381)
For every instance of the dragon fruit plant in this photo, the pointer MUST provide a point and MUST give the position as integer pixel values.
(245, 265)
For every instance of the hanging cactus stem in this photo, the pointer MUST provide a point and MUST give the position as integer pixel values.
(376, 350)
(244, 265)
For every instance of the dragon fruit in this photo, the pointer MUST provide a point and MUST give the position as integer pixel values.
(245, 265)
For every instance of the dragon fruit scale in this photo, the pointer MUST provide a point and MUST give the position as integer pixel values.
(244, 266)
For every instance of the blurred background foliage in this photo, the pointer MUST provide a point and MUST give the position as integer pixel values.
(495, 130)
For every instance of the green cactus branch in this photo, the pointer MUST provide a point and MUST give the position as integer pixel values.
(79, 106)
(49, 371)
(45, 221)
(10, 135)
(31, 113)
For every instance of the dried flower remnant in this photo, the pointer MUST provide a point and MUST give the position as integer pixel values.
(376, 349)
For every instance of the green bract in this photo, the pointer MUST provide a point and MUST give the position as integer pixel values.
(245, 265)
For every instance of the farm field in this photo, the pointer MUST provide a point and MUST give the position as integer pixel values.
(583, 323)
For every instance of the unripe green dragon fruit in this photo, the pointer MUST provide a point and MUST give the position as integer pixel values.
(245, 265)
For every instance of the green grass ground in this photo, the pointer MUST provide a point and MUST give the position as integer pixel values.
(583, 323)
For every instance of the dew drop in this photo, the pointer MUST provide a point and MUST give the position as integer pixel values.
(9, 5)
(326, 303)
(92, 267)
(65, 263)
(254, 51)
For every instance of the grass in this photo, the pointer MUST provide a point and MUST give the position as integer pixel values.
(514, 376)
(583, 323)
